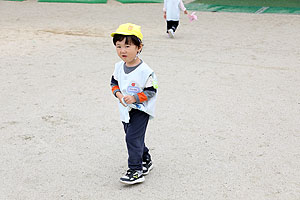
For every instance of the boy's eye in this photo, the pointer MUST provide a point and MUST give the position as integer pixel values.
(127, 46)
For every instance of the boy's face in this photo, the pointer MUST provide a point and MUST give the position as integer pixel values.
(127, 52)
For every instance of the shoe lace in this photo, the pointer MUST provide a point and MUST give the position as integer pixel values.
(129, 172)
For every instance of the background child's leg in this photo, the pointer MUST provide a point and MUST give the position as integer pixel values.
(175, 25)
(135, 138)
(172, 25)
(169, 25)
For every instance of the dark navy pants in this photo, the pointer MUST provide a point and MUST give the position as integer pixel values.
(135, 138)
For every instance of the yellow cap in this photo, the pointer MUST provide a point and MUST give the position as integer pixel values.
(129, 29)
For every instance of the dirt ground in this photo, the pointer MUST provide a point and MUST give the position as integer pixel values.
(228, 112)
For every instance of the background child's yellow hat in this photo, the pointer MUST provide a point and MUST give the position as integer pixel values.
(129, 29)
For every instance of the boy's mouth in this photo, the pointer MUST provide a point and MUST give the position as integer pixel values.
(124, 56)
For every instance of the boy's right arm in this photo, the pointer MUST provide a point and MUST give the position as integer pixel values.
(116, 90)
(114, 86)
(165, 10)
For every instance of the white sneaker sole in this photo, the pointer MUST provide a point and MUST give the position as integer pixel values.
(140, 180)
(171, 33)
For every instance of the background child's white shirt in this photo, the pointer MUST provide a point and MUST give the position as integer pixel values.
(172, 7)
(139, 77)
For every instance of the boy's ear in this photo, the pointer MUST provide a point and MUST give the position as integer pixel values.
(141, 47)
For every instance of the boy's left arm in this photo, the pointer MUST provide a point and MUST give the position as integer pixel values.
(182, 7)
(148, 92)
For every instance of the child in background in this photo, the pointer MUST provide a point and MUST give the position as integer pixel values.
(172, 14)
(134, 84)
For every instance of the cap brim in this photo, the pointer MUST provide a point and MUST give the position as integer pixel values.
(121, 33)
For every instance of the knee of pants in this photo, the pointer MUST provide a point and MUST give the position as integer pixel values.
(135, 142)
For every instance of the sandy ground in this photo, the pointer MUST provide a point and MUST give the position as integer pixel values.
(228, 113)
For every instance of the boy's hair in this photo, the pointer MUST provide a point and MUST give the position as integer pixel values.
(129, 39)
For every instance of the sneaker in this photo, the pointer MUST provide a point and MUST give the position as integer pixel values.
(132, 177)
(147, 166)
(171, 33)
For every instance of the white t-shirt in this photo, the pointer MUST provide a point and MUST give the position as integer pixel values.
(172, 7)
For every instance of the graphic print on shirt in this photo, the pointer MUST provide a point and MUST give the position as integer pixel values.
(133, 88)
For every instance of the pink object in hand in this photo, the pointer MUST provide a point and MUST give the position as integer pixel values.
(192, 16)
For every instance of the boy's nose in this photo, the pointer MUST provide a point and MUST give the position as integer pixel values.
(123, 49)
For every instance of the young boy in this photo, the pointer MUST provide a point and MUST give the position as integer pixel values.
(134, 84)
(172, 13)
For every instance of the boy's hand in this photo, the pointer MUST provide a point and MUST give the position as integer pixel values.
(186, 12)
(165, 15)
(120, 96)
(129, 99)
